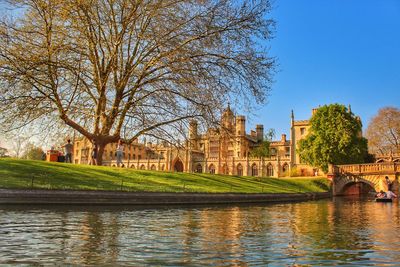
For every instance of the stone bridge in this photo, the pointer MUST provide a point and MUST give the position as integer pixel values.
(363, 178)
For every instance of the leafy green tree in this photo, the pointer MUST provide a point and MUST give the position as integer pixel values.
(334, 137)
(263, 150)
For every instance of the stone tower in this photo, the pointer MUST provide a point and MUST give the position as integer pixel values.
(240, 125)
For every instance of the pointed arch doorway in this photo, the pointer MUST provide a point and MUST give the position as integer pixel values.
(178, 165)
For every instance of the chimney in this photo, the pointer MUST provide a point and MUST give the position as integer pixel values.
(260, 132)
(314, 110)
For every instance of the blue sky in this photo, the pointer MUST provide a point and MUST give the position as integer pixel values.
(333, 51)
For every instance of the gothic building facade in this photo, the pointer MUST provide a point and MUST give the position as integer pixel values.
(226, 150)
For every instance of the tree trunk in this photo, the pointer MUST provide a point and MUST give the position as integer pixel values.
(100, 153)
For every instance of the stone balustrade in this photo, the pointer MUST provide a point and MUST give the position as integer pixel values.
(367, 168)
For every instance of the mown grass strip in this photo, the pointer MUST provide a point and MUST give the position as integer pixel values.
(47, 175)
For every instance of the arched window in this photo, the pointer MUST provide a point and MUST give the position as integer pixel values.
(162, 167)
(254, 170)
(199, 168)
(142, 167)
(270, 170)
(132, 166)
(211, 169)
(153, 167)
(239, 170)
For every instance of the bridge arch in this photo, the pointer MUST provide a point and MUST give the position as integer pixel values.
(361, 178)
(350, 185)
(357, 188)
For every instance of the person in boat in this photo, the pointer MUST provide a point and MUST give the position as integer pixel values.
(381, 194)
(390, 195)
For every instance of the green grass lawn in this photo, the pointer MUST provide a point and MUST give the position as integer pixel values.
(47, 175)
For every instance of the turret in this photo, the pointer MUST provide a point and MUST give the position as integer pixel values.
(240, 125)
(292, 140)
(193, 136)
(260, 132)
(227, 118)
(193, 129)
(292, 119)
(283, 138)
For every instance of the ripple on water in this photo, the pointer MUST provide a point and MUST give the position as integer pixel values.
(325, 233)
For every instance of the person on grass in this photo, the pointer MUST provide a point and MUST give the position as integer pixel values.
(120, 153)
(68, 151)
(93, 155)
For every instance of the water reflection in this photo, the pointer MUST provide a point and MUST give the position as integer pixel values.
(342, 231)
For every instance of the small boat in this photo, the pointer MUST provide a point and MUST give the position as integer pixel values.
(383, 199)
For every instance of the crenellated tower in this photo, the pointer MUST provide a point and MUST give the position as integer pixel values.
(240, 125)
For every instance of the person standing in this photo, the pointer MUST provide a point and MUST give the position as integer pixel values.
(388, 183)
(120, 153)
(68, 147)
(93, 155)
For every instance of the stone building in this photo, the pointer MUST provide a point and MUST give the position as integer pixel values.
(226, 150)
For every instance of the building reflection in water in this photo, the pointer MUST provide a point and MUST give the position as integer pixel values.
(308, 233)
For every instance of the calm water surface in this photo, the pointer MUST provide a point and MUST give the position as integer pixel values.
(345, 232)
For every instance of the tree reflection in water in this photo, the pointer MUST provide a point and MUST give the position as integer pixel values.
(328, 232)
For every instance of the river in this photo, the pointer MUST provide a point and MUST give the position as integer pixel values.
(340, 231)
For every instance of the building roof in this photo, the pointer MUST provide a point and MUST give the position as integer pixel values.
(301, 123)
(251, 138)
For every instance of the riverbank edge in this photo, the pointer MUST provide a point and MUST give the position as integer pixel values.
(86, 197)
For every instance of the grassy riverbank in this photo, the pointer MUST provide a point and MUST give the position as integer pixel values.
(45, 175)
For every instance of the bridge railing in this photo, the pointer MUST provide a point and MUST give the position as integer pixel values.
(367, 168)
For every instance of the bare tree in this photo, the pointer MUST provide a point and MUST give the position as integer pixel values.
(18, 145)
(383, 132)
(123, 68)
